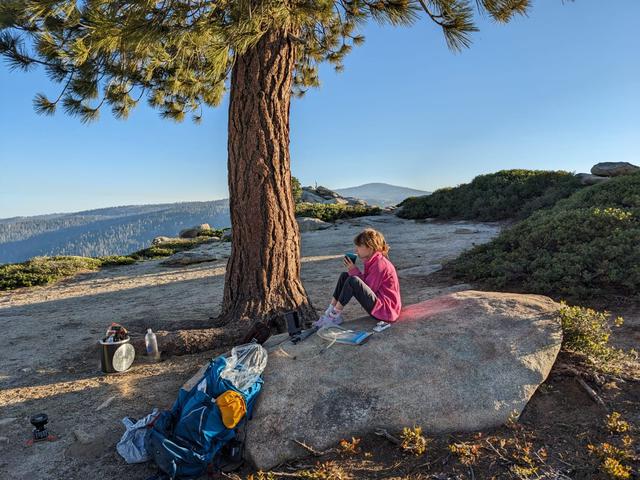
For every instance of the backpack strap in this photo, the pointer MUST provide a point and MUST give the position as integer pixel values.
(228, 460)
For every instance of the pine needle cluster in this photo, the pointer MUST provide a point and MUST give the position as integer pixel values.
(178, 54)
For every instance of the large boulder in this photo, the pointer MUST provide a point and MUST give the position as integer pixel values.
(160, 240)
(308, 224)
(210, 251)
(463, 361)
(326, 193)
(196, 231)
(356, 201)
(182, 259)
(310, 197)
(614, 169)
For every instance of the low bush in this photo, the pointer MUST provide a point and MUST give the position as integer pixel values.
(413, 441)
(507, 194)
(170, 247)
(586, 332)
(586, 246)
(619, 452)
(115, 260)
(214, 232)
(331, 212)
(296, 189)
(44, 270)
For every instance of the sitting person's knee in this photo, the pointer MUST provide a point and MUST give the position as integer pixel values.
(343, 275)
(353, 281)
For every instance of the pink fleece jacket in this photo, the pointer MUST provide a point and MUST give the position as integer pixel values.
(380, 275)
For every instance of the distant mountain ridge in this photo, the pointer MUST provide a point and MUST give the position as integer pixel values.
(381, 194)
(125, 229)
(105, 231)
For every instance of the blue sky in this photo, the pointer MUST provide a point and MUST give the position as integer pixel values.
(557, 90)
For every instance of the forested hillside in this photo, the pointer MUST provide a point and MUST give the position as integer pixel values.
(107, 231)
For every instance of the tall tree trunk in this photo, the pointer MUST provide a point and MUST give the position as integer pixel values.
(263, 272)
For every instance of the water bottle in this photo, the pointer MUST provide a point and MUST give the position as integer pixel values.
(151, 342)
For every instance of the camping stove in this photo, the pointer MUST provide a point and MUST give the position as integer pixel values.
(40, 432)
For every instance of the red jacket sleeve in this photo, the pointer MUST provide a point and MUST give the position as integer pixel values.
(376, 276)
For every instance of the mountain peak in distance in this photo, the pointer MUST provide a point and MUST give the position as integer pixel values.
(381, 194)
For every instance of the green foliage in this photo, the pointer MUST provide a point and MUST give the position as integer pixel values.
(115, 260)
(179, 54)
(497, 196)
(213, 232)
(586, 332)
(296, 189)
(44, 270)
(620, 192)
(332, 212)
(586, 246)
(168, 248)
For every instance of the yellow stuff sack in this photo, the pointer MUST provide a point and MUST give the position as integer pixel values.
(232, 407)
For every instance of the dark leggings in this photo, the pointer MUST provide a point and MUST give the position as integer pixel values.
(350, 286)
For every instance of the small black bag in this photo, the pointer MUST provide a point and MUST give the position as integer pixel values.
(259, 332)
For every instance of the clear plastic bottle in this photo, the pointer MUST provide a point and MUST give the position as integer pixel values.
(151, 343)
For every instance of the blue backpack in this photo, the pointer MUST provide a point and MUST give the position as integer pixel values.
(186, 441)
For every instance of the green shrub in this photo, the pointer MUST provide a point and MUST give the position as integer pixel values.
(44, 270)
(114, 260)
(297, 189)
(585, 246)
(574, 254)
(332, 212)
(170, 247)
(498, 196)
(212, 233)
(586, 332)
(620, 192)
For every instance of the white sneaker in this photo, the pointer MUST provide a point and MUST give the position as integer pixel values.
(326, 320)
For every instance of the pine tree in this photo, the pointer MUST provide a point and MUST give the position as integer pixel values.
(182, 54)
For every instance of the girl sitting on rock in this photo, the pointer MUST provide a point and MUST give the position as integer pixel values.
(377, 288)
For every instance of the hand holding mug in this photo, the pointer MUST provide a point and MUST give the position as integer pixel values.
(349, 260)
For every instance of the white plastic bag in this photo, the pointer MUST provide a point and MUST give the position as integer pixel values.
(245, 365)
(131, 445)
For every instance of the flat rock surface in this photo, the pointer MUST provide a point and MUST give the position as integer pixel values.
(49, 360)
(463, 361)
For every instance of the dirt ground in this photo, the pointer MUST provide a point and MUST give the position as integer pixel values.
(49, 364)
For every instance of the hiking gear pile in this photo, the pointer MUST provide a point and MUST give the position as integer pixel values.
(187, 441)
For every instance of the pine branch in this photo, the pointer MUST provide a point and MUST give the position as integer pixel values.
(456, 19)
(180, 53)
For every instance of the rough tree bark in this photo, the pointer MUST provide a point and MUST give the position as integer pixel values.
(263, 272)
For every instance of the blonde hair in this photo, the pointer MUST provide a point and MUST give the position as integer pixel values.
(373, 239)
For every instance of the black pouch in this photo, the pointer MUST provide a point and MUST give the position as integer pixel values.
(258, 332)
